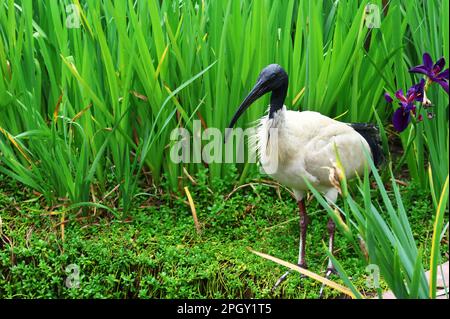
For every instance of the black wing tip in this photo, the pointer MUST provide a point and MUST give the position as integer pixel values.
(371, 134)
(365, 126)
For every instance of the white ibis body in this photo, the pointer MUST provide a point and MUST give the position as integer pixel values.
(305, 146)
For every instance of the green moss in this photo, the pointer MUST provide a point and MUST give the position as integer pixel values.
(155, 252)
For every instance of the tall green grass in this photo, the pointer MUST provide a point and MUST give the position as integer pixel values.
(426, 30)
(83, 110)
(381, 233)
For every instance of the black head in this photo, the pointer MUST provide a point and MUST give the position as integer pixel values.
(271, 79)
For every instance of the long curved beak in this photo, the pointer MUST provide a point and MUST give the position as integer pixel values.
(258, 90)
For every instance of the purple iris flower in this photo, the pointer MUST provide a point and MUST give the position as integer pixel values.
(402, 116)
(433, 71)
(388, 98)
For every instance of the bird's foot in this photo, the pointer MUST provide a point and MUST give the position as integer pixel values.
(285, 275)
(330, 270)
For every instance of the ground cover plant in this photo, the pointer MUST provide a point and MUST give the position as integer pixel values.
(90, 92)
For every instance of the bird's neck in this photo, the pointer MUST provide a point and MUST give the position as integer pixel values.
(277, 121)
(277, 100)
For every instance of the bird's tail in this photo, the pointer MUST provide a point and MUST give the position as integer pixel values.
(371, 134)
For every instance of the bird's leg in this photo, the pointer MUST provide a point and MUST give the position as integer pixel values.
(331, 226)
(304, 221)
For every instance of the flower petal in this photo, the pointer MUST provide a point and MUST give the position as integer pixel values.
(417, 91)
(388, 97)
(409, 107)
(400, 119)
(443, 74)
(419, 69)
(439, 65)
(444, 84)
(421, 85)
(427, 61)
(399, 95)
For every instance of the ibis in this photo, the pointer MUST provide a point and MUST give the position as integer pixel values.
(305, 146)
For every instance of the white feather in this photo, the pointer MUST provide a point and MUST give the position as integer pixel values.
(304, 148)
